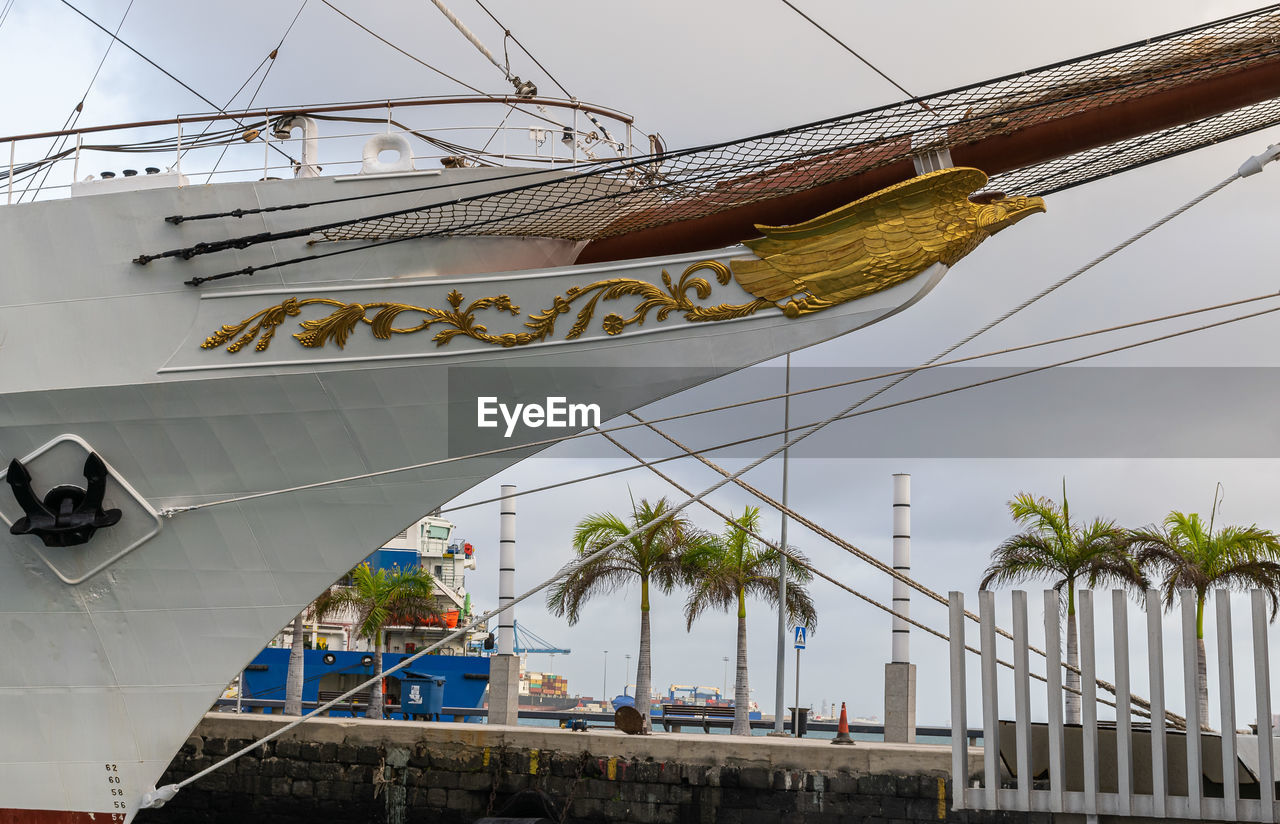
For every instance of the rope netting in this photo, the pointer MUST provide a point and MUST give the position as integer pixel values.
(623, 196)
(1104, 161)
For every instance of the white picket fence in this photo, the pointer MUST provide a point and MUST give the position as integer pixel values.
(1159, 788)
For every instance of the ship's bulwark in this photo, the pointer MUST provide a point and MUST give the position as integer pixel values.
(144, 647)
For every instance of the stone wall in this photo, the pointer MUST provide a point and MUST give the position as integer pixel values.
(342, 770)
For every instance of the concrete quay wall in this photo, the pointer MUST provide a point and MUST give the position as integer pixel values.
(394, 772)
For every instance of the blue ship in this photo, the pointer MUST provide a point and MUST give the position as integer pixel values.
(329, 673)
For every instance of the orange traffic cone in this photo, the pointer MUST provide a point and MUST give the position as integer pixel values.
(842, 732)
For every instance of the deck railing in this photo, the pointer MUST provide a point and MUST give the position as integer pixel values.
(242, 145)
(1143, 775)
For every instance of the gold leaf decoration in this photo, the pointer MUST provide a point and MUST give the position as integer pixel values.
(337, 326)
(459, 320)
(876, 242)
(267, 321)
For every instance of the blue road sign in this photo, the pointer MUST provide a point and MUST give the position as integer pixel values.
(799, 637)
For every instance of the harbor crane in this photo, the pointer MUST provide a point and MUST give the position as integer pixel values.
(526, 641)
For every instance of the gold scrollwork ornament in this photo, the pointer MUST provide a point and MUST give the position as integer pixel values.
(457, 320)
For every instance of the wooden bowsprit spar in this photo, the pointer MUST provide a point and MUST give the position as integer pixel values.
(1035, 132)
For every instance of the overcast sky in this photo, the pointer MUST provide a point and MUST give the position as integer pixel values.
(709, 71)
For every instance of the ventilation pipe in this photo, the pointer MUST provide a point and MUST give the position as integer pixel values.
(283, 130)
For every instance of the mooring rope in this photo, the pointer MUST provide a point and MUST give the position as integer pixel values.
(869, 410)
(1252, 166)
(159, 796)
(177, 510)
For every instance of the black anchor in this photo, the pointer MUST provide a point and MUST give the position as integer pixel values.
(69, 515)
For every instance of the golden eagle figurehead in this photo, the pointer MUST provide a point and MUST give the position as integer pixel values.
(877, 241)
(1003, 212)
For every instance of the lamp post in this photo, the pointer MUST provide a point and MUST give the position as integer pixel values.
(626, 671)
(724, 681)
(779, 703)
(604, 678)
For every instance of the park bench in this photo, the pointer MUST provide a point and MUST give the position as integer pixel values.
(680, 715)
(358, 705)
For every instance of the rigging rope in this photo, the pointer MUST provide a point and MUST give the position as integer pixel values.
(74, 116)
(256, 210)
(507, 33)
(168, 73)
(172, 511)
(724, 445)
(168, 792)
(799, 561)
(864, 60)
(1252, 166)
(850, 413)
(150, 62)
(880, 565)
(265, 237)
(670, 187)
(462, 28)
(388, 43)
(415, 59)
(163, 794)
(674, 186)
(522, 88)
(245, 241)
(421, 62)
(471, 38)
(271, 56)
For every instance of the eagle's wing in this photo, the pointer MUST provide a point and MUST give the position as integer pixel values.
(871, 243)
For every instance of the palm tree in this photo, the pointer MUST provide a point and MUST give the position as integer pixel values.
(724, 572)
(1186, 555)
(1054, 547)
(653, 556)
(293, 679)
(380, 599)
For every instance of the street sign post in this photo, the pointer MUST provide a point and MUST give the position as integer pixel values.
(799, 644)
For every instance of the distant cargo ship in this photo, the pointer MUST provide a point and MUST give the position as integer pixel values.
(551, 702)
(684, 694)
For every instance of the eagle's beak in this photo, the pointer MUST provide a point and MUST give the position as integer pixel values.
(1011, 210)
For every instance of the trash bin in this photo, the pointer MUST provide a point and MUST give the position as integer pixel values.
(421, 696)
(800, 724)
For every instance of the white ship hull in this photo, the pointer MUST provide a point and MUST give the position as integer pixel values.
(113, 650)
